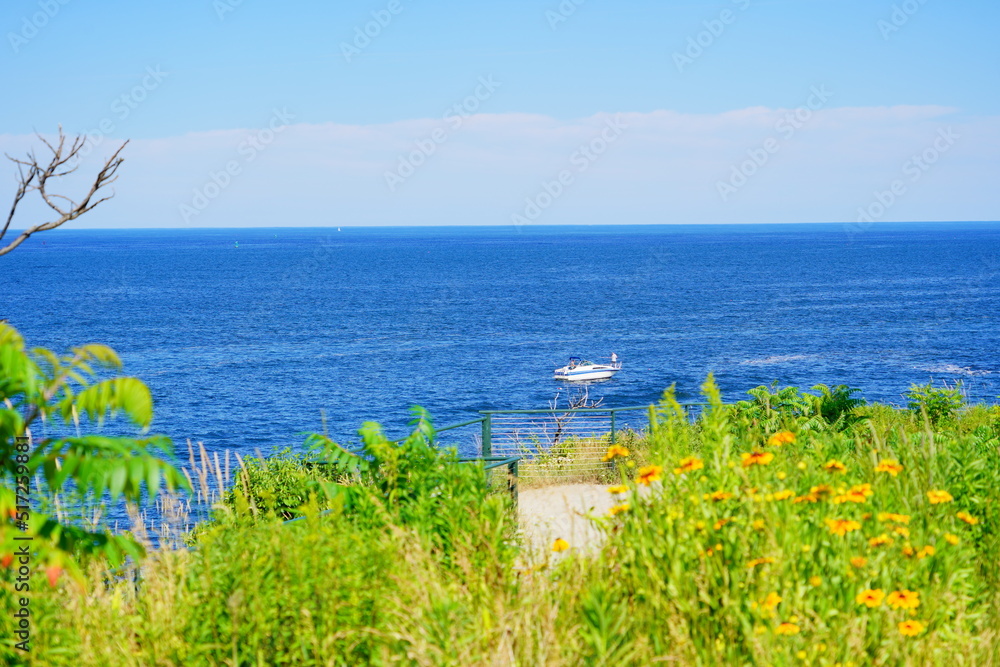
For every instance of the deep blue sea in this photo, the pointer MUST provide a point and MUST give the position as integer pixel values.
(247, 336)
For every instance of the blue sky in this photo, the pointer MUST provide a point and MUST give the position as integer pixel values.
(362, 138)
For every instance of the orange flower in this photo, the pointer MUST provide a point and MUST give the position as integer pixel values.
(890, 466)
(560, 545)
(890, 517)
(908, 551)
(719, 495)
(967, 518)
(771, 601)
(615, 451)
(859, 562)
(621, 488)
(951, 539)
(757, 458)
(53, 573)
(787, 629)
(833, 465)
(808, 498)
(926, 551)
(911, 628)
(852, 496)
(821, 491)
(649, 474)
(784, 494)
(759, 561)
(842, 526)
(881, 540)
(903, 599)
(871, 598)
(901, 530)
(6, 560)
(939, 496)
(720, 523)
(618, 509)
(688, 464)
(781, 438)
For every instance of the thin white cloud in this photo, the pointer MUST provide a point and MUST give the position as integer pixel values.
(663, 167)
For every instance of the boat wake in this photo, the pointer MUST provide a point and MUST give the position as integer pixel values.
(953, 369)
(775, 359)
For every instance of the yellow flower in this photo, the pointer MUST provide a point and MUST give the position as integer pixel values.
(757, 458)
(911, 628)
(939, 496)
(560, 545)
(815, 582)
(801, 465)
(781, 438)
(967, 518)
(904, 599)
(689, 464)
(833, 465)
(720, 523)
(618, 509)
(781, 475)
(821, 491)
(881, 540)
(908, 551)
(621, 488)
(871, 598)
(758, 524)
(808, 498)
(787, 629)
(649, 474)
(615, 451)
(951, 539)
(784, 494)
(890, 517)
(901, 530)
(926, 551)
(842, 526)
(859, 562)
(850, 497)
(759, 561)
(771, 601)
(890, 466)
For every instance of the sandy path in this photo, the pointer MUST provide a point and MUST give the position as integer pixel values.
(550, 512)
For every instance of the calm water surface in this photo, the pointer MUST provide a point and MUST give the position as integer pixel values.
(245, 336)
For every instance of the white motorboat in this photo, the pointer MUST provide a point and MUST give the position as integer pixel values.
(579, 369)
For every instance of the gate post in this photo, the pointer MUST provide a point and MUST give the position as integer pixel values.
(487, 446)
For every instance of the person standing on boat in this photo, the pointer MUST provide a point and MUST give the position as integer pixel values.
(614, 358)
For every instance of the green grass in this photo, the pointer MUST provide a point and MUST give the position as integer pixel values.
(417, 564)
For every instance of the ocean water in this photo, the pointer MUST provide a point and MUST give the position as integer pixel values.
(246, 337)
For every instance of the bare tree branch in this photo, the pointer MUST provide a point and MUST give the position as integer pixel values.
(33, 175)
